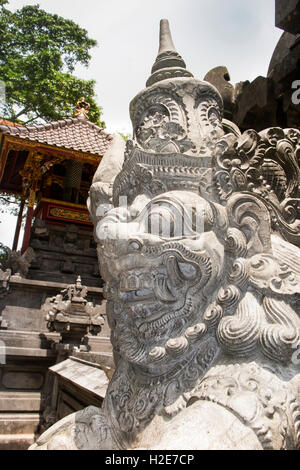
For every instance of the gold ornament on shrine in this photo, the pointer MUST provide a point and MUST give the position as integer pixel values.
(82, 108)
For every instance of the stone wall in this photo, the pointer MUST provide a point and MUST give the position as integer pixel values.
(28, 350)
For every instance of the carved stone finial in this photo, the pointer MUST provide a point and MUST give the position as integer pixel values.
(70, 314)
(168, 64)
(165, 37)
(82, 108)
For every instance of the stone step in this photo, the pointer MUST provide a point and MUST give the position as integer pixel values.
(16, 442)
(20, 401)
(19, 423)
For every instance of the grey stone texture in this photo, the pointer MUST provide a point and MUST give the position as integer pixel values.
(287, 15)
(62, 253)
(267, 101)
(29, 401)
(202, 280)
(220, 78)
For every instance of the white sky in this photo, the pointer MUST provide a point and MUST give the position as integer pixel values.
(239, 34)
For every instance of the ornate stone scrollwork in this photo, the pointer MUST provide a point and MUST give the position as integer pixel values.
(265, 164)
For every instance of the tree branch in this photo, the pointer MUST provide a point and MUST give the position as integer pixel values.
(32, 119)
(5, 199)
(24, 110)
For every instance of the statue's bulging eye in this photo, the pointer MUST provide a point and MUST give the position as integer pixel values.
(160, 222)
(173, 220)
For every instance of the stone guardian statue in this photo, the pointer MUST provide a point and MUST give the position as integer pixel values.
(198, 234)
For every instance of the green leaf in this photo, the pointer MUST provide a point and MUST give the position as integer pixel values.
(38, 54)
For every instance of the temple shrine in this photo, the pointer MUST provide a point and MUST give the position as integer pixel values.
(51, 166)
(44, 323)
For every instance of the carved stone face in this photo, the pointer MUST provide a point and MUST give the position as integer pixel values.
(161, 261)
(163, 256)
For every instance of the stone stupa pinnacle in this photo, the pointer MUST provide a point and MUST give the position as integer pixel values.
(168, 64)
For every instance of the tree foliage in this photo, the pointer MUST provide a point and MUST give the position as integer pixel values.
(9, 203)
(38, 55)
(4, 254)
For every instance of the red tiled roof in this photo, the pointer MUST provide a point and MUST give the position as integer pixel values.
(8, 123)
(73, 133)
